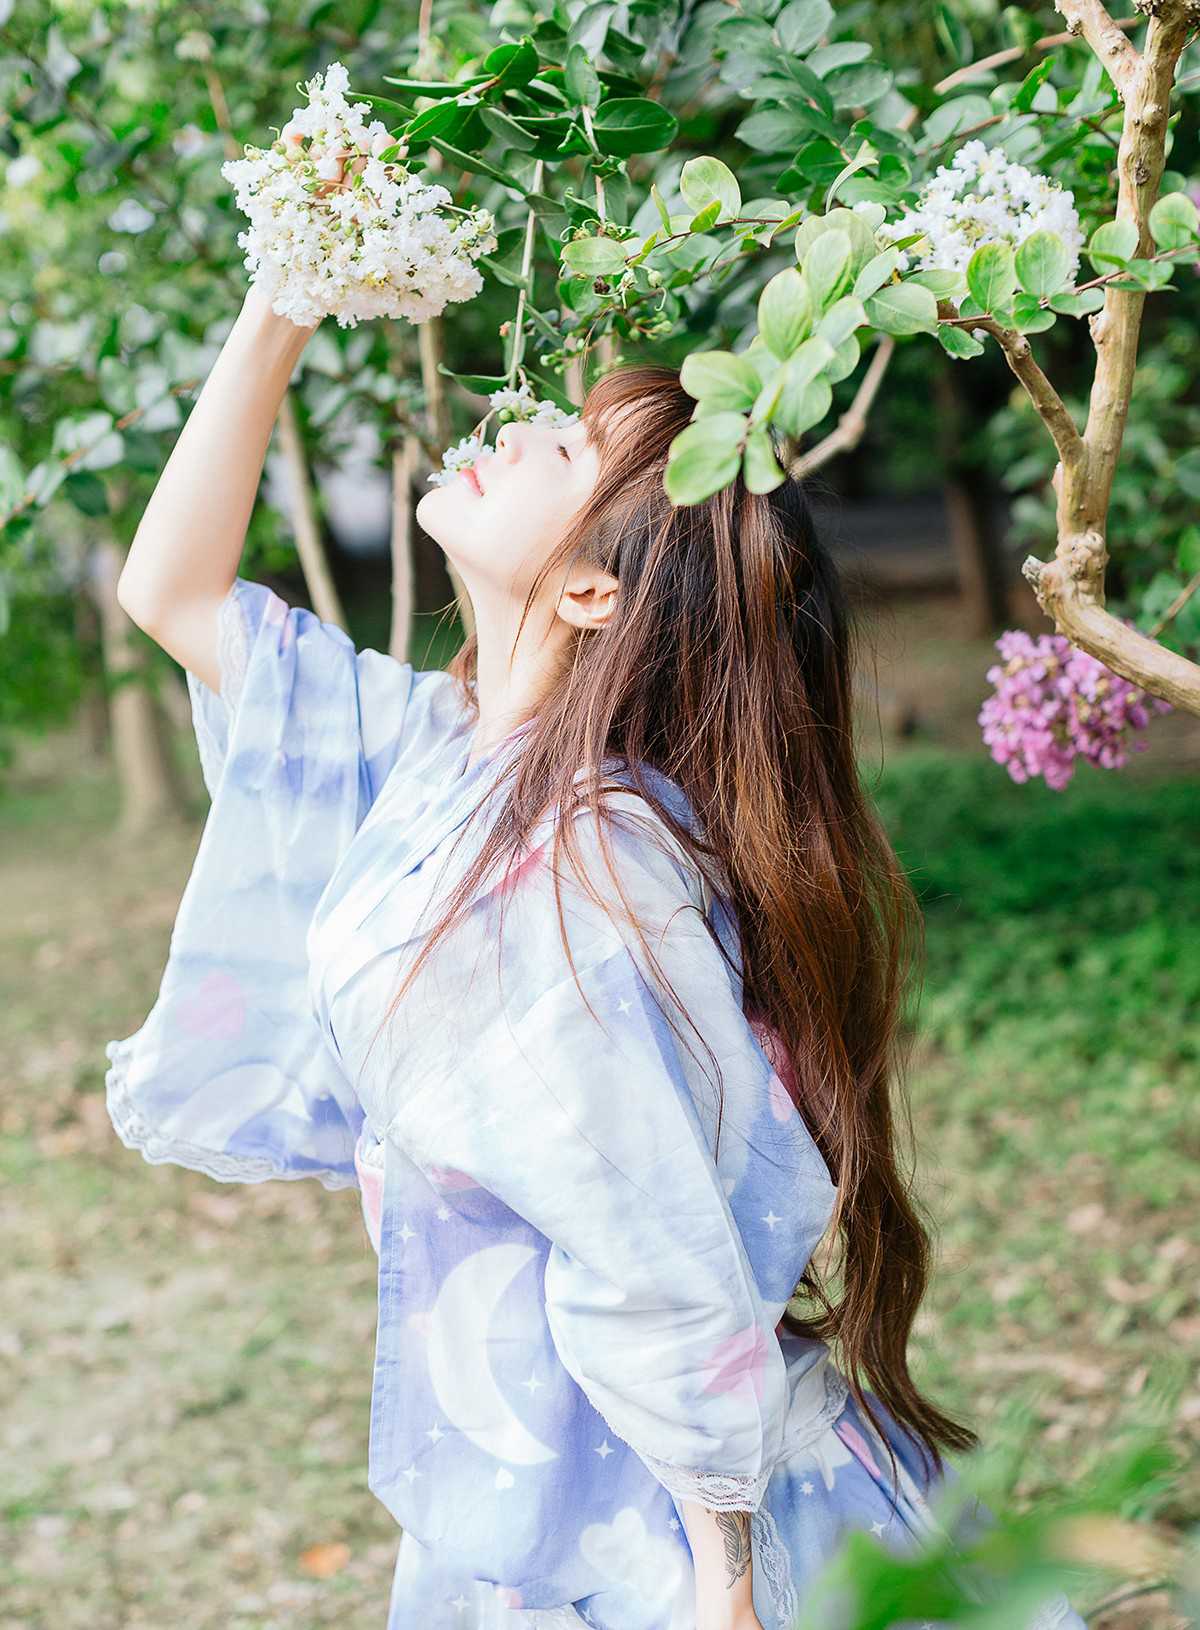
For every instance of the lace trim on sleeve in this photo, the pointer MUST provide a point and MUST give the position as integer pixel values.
(233, 651)
(233, 658)
(136, 1133)
(718, 1491)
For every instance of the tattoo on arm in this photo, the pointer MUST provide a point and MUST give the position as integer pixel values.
(734, 1527)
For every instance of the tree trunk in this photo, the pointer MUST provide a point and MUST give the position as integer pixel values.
(406, 460)
(310, 542)
(151, 790)
(95, 729)
(977, 554)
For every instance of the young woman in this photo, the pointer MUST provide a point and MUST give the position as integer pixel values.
(584, 961)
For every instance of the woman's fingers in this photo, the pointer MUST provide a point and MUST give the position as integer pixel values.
(334, 172)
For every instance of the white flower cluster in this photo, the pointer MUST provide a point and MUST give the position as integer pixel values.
(517, 404)
(982, 197)
(377, 243)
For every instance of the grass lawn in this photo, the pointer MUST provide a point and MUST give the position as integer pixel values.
(187, 1364)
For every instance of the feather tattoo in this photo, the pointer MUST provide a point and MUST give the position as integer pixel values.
(735, 1531)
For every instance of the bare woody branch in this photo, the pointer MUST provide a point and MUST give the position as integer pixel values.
(1018, 353)
(849, 430)
(1070, 588)
(1115, 51)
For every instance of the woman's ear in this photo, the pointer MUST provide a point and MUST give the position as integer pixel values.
(589, 598)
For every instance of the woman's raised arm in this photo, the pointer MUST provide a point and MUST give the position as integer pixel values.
(185, 554)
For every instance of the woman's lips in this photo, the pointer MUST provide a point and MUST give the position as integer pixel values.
(472, 480)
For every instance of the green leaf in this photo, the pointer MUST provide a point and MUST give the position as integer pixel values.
(803, 403)
(785, 312)
(903, 308)
(663, 215)
(959, 113)
(595, 257)
(760, 468)
(770, 129)
(514, 62)
(581, 79)
(851, 222)
(839, 54)
(706, 217)
(1042, 263)
(1187, 472)
(473, 163)
(87, 492)
(1077, 305)
(827, 268)
(703, 180)
(865, 155)
(590, 27)
(704, 457)
(845, 359)
(442, 119)
(1174, 221)
(721, 378)
(633, 124)
(840, 321)
(1111, 244)
(1030, 85)
(860, 86)
(941, 281)
(694, 474)
(992, 275)
(1030, 316)
(802, 24)
(956, 342)
(876, 273)
(1187, 551)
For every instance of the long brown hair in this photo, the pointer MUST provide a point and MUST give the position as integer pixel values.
(726, 667)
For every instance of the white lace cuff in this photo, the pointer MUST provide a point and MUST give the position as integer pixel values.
(233, 658)
(717, 1491)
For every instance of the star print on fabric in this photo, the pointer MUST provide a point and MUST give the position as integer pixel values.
(806, 1488)
(877, 1528)
(434, 1433)
(532, 1384)
(624, 1005)
(673, 1525)
(771, 1219)
(739, 1358)
(458, 1603)
(443, 1214)
(411, 1473)
(406, 1233)
(603, 1449)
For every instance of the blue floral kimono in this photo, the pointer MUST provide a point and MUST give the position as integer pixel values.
(580, 1282)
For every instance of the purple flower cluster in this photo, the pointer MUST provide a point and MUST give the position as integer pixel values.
(1054, 703)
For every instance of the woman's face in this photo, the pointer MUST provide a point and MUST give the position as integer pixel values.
(532, 486)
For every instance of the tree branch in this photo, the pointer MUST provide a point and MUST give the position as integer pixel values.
(848, 431)
(1091, 19)
(1014, 53)
(1070, 588)
(1018, 353)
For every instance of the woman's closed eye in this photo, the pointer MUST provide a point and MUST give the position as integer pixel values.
(563, 450)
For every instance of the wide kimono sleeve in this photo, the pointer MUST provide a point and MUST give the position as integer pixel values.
(673, 1250)
(230, 1073)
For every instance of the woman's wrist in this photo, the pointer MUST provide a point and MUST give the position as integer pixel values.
(280, 335)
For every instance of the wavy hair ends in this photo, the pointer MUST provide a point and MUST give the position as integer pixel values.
(727, 666)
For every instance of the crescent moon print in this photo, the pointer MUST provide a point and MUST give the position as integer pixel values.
(461, 1376)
